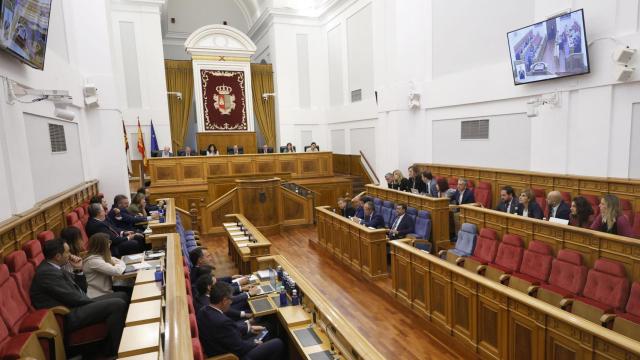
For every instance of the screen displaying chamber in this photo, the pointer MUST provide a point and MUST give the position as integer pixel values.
(554, 48)
(25, 26)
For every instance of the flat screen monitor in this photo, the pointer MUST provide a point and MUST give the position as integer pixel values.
(550, 49)
(25, 26)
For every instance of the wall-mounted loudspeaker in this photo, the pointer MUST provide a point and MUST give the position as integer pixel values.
(624, 55)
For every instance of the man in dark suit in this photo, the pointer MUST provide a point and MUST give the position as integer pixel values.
(462, 194)
(371, 218)
(358, 207)
(122, 242)
(239, 309)
(219, 334)
(235, 150)
(389, 178)
(345, 208)
(429, 184)
(53, 287)
(557, 208)
(200, 258)
(509, 203)
(122, 218)
(402, 225)
(416, 185)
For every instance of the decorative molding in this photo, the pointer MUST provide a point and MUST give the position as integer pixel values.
(138, 6)
(220, 58)
(219, 40)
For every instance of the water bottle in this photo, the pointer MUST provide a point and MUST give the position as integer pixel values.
(158, 276)
(279, 272)
(294, 298)
(283, 297)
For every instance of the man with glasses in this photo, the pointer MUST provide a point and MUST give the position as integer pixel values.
(220, 335)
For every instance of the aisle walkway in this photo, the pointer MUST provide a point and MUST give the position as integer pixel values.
(390, 327)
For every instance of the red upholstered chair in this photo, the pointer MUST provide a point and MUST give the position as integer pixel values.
(33, 250)
(628, 323)
(636, 225)
(82, 215)
(535, 268)
(192, 309)
(22, 271)
(605, 292)
(508, 258)
(566, 197)
(20, 317)
(470, 184)
(46, 236)
(194, 326)
(483, 194)
(541, 199)
(19, 346)
(594, 201)
(453, 182)
(627, 209)
(74, 221)
(566, 280)
(198, 354)
(484, 252)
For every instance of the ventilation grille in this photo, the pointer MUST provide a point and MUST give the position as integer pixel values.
(58, 140)
(474, 130)
(356, 95)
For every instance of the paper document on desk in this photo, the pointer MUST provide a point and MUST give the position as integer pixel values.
(253, 279)
(233, 228)
(229, 224)
(235, 233)
(240, 238)
(559, 221)
(128, 259)
(141, 266)
(263, 274)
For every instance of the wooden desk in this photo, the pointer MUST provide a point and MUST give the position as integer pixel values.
(143, 312)
(139, 339)
(438, 207)
(330, 327)
(148, 356)
(245, 253)
(360, 248)
(493, 320)
(146, 292)
(145, 276)
(169, 226)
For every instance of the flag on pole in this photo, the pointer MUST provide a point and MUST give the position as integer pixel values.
(126, 147)
(141, 148)
(154, 140)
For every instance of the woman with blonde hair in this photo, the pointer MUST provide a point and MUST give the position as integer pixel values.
(138, 205)
(528, 206)
(399, 181)
(99, 267)
(611, 219)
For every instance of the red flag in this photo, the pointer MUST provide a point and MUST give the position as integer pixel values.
(141, 148)
(126, 140)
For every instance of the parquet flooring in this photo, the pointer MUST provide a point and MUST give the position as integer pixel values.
(392, 329)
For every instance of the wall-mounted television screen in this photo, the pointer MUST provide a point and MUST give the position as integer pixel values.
(25, 26)
(550, 49)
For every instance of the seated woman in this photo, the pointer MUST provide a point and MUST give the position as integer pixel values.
(399, 181)
(212, 150)
(99, 267)
(138, 205)
(528, 206)
(581, 212)
(442, 188)
(290, 148)
(611, 219)
(73, 238)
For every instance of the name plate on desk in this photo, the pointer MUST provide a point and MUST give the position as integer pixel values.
(307, 337)
(262, 306)
(236, 233)
(321, 355)
(240, 238)
(233, 228)
(229, 224)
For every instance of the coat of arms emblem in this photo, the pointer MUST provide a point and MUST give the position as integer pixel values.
(223, 100)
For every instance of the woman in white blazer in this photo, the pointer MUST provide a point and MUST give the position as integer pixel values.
(99, 266)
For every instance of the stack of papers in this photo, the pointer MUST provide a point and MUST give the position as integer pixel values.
(263, 274)
(235, 233)
(233, 228)
(142, 265)
(229, 224)
(240, 238)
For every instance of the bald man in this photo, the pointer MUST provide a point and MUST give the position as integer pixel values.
(557, 208)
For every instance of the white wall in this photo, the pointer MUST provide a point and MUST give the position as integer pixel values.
(456, 56)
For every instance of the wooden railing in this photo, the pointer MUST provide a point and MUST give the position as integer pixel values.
(371, 174)
(520, 179)
(48, 214)
(591, 244)
(362, 249)
(347, 164)
(495, 321)
(177, 333)
(438, 207)
(245, 253)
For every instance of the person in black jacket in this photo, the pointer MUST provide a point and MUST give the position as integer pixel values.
(122, 218)
(122, 242)
(402, 225)
(53, 287)
(239, 308)
(371, 218)
(528, 206)
(416, 185)
(556, 207)
(345, 208)
(399, 181)
(509, 203)
(219, 334)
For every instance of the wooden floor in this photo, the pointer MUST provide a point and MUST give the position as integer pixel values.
(391, 328)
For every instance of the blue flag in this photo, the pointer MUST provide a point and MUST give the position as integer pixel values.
(154, 141)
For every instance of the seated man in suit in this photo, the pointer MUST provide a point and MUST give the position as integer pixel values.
(219, 334)
(201, 257)
(509, 202)
(371, 218)
(345, 208)
(239, 309)
(120, 217)
(265, 149)
(122, 242)
(53, 287)
(402, 225)
(429, 184)
(358, 207)
(389, 178)
(187, 152)
(166, 152)
(462, 194)
(557, 208)
(235, 150)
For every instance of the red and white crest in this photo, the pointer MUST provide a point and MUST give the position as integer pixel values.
(224, 100)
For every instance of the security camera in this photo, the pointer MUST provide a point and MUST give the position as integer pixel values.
(178, 94)
(265, 96)
(64, 113)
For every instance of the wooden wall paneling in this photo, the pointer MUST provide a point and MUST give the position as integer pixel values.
(402, 276)
(258, 201)
(224, 139)
(351, 236)
(492, 315)
(463, 309)
(440, 295)
(564, 342)
(526, 332)
(420, 280)
(296, 209)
